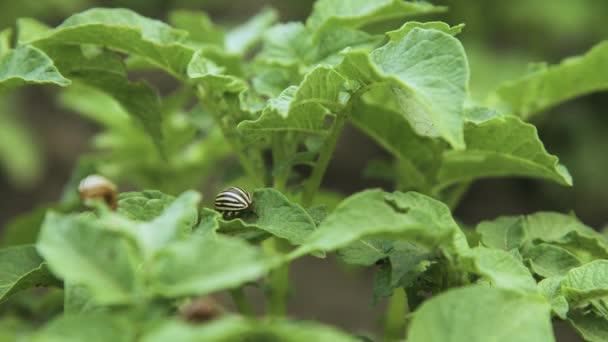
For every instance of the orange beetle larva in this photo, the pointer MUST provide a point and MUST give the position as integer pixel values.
(95, 186)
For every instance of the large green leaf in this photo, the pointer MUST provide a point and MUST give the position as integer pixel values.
(78, 249)
(435, 25)
(550, 288)
(92, 327)
(28, 65)
(243, 37)
(428, 74)
(106, 72)
(503, 233)
(286, 45)
(234, 328)
(212, 76)
(590, 326)
(346, 13)
(174, 223)
(374, 212)
(206, 264)
(198, 25)
(302, 109)
(549, 260)
(23, 229)
(143, 206)
(585, 283)
(126, 31)
(501, 268)
(418, 157)
(405, 263)
(497, 147)
(481, 314)
(21, 268)
(549, 86)
(568, 232)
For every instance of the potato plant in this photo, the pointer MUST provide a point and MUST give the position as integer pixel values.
(262, 106)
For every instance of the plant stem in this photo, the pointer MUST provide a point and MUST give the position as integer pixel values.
(394, 325)
(277, 283)
(314, 182)
(241, 301)
(280, 154)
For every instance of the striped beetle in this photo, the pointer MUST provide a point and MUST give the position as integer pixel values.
(232, 201)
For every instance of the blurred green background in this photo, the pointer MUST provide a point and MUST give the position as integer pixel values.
(40, 142)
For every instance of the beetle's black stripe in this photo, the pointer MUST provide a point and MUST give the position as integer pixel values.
(225, 208)
(231, 204)
(232, 199)
(240, 192)
(243, 193)
(229, 197)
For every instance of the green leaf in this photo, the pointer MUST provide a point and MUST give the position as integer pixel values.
(21, 268)
(421, 68)
(92, 327)
(501, 146)
(366, 251)
(179, 270)
(243, 37)
(28, 65)
(591, 327)
(418, 157)
(301, 109)
(174, 223)
(501, 268)
(234, 328)
(77, 299)
(550, 288)
(346, 13)
(212, 76)
(317, 213)
(23, 229)
(480, 314)
(29, 29)
(405, 262)
(374, 212)
(143, 206)
(286, 45)
(585, 283)
(106, 72)
(198, 25)
(333, 41)
(550, 86)
(504, 233)
(78, 249)
(126, 31)
(568, 232)
(96, 106)
(435, 25)
(548, 260)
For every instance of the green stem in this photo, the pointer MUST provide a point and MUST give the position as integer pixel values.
(314, 182)
(394, 326)
(241, 301)
(277, 288)
(280, 154)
